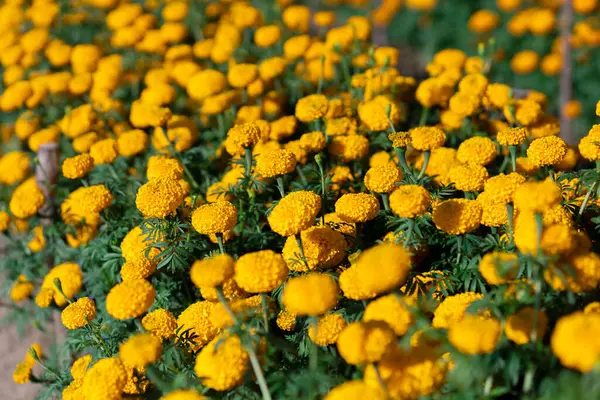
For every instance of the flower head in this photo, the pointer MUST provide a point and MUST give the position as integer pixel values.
(294, 213)
(213, 271)
(357, 207)
(159, 197)
(140, 350)
(426, 138)
(79, 313)
(310, 294)
(475, 335)
(457, 216)
(223, 363)
(130, 299)
(217, 217)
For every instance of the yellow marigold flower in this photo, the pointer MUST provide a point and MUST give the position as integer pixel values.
(44, 297)
(22, 373)
(537, 196)
(497, 95)
(140, 350)
(464, 104)
(78, 166)
(283, 127)
(297, 18)
(294, 213)
(26, 199)
(21, 289)
(499, 267)
(78, 121)
(159, 197)
(526, 112)
(409, 201)
(71, 280)
(392, 309)
(355, 390)
(83, 143)
(267, 36)
(457, 216)
(144, 115)
(502, 187)
(26, 125)
(546, 151)
(574, 341)
(327, 330)
(296, 46)
(130, 299)
(15, 95)
(323, 248)
(241, 75)
(580, 273)
(80, 366)
(357, 207)
(161, 323)
(589, 146)
(85, 204)
(137, 268)
(163, 166)
(313, 142)
(477, 150)
(519, 326)
(223, 363)
(453, 309)
(483, 21)
(196, 320)
(592, 308)
(393, 261)
(244, 308)
(14, 167)
(512, 136)
(310, 294)
(286, 321)
(494, 210)
(41, 137)
(349, 148)
(183, 394)
(132, 142)
(242, 136)
(37, 242)
(105, 380)
(383, 178)
(365, 342)
(569, 161)
(104, 151)
(134, 245)
(217, 217)
(374, 113)
(260, 272)
(276, 162)
(524, 62)
(4, 221)
(426, 138)
(475, 335)
(311, 107)
(468, 177)
(213, 271)
(79, 313)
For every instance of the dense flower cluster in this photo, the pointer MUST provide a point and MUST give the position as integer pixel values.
(248, 199)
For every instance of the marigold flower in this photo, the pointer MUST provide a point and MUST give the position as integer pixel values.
(526, 112)
(502, 187)
(311, 107)
(242, 136)
(183, 395)
(21, 289)
(409, 201)
(78, 166)
(267, 36)
(588, 146)
(212, 272)
(323, 247)
(468, 177)
(104, 151)
(296, 46)
(546, 151)
(313, 141)
(580, 273)
(475, 335)
(355, 390)
(392, 309)
(310, 294)
(477, 150)
(383, 178)
(105, 380)
(464, 104)
(426, 138)
(294, 213)
(297, 18)
(276, 162)
(327, 330)
(499, 267)
(457, 216)
(217, 217)
(537, 196)
(130, 299)
(26, 199)
(196, 320)
(519, 326)
(159, 197)
(132, 142)
(357, 207)
(374, 113)
(223, 363)
(144, 115)
(22, 373)
(79, 313)
(349, 148)
(574, 341)
(161, 323)
(80, 366)
(453, 309)
(140, 350)
(365, 342)
(512, 136)
(14, 167)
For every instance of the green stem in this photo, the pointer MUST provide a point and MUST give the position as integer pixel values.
(301, 248)
(225, 304)
(219, 236)
(513, 157)
(409, 232)
(260, 377)
(510, 209)
(586, 200)
(301, 175)
(539, 225)
(265, 310)
(314, 356)
(248, 159)
(402, 160)
(386, 201)
(424, 115)
(381, 381)
(280, 186)
(426, 156)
